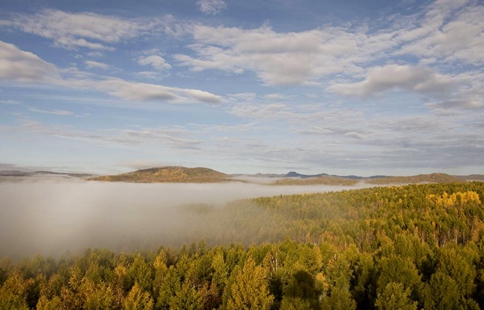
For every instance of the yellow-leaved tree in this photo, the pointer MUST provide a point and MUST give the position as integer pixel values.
(249, 289)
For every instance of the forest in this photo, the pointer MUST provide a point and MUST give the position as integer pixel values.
(395, 247)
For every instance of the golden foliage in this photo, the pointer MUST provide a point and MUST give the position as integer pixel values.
(459, 198)
(168, 175)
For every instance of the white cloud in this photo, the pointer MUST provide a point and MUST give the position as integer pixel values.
(315, 130)
(20, 66)
(332, 131)
(277, 58)
(445, 31)
(87, 30)
(414, 124)
(381, 79)
(283, 58)
(9, 102)
(460, 104)
(90, 64)
(449, 31)
(300, 115)
(150, 92)
(354, 135)
(53, 112)
(201, 95)
(155, 61)
(244, 97)
(17, 65)
(144, 164)
(256, 111)
(134, 91)
(95, 54)
(275, 96)
(147, 74)
(116, 136)
(211, 6)
(226, 128)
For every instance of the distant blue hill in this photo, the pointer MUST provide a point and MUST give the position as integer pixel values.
(294, 174)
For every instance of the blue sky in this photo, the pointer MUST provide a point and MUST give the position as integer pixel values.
(343, 87)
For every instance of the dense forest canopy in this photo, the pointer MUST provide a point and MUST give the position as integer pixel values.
(397, 247)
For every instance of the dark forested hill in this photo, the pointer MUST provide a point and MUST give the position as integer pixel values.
(172, 174)
(323, 180)
(421, 178)
(397, 247)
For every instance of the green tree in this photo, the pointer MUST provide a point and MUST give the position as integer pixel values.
(401, 270)
(456, 266)
(340, 297)
(170, 285)
(49, 304)
(187, 297)
(441, 293)
(395, 297)
(301, 292)
(13, 293)
(140, 272)
(96, 297)
(137, 300)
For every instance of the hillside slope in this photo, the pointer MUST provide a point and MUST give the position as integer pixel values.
(324, 180)
(171, 174)
(421, 178)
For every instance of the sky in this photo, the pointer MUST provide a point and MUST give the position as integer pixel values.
(334, 86)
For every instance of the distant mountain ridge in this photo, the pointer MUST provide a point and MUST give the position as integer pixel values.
(24, 173)
(294, 174)
(180, 174)
(322, 180)
(295, 178)
(421, 178)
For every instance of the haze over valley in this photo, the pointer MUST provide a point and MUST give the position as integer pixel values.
(53, 216)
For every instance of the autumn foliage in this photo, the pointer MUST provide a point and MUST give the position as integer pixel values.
(401, 247)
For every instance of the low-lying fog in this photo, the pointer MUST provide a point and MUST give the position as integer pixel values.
(55, 217)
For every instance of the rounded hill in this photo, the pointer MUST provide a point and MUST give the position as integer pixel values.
(170, 174)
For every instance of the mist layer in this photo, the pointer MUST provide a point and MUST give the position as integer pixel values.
(53, 218)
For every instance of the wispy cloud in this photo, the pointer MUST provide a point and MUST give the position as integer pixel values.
(127, 137)
(211, 6)
(17, 65)
(87, 30)
(155, 61)
(449, 31)
(277, 58)
(381, 79)
(150, 92)
(53, 112)
(458, 104)
(275, 96)
(20, 66)
(147, 74)
(9, 102)
(346, 131)
(144, 164)
(90, 64)
(446, 31)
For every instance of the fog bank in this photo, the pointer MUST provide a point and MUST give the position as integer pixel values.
(53, 217)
